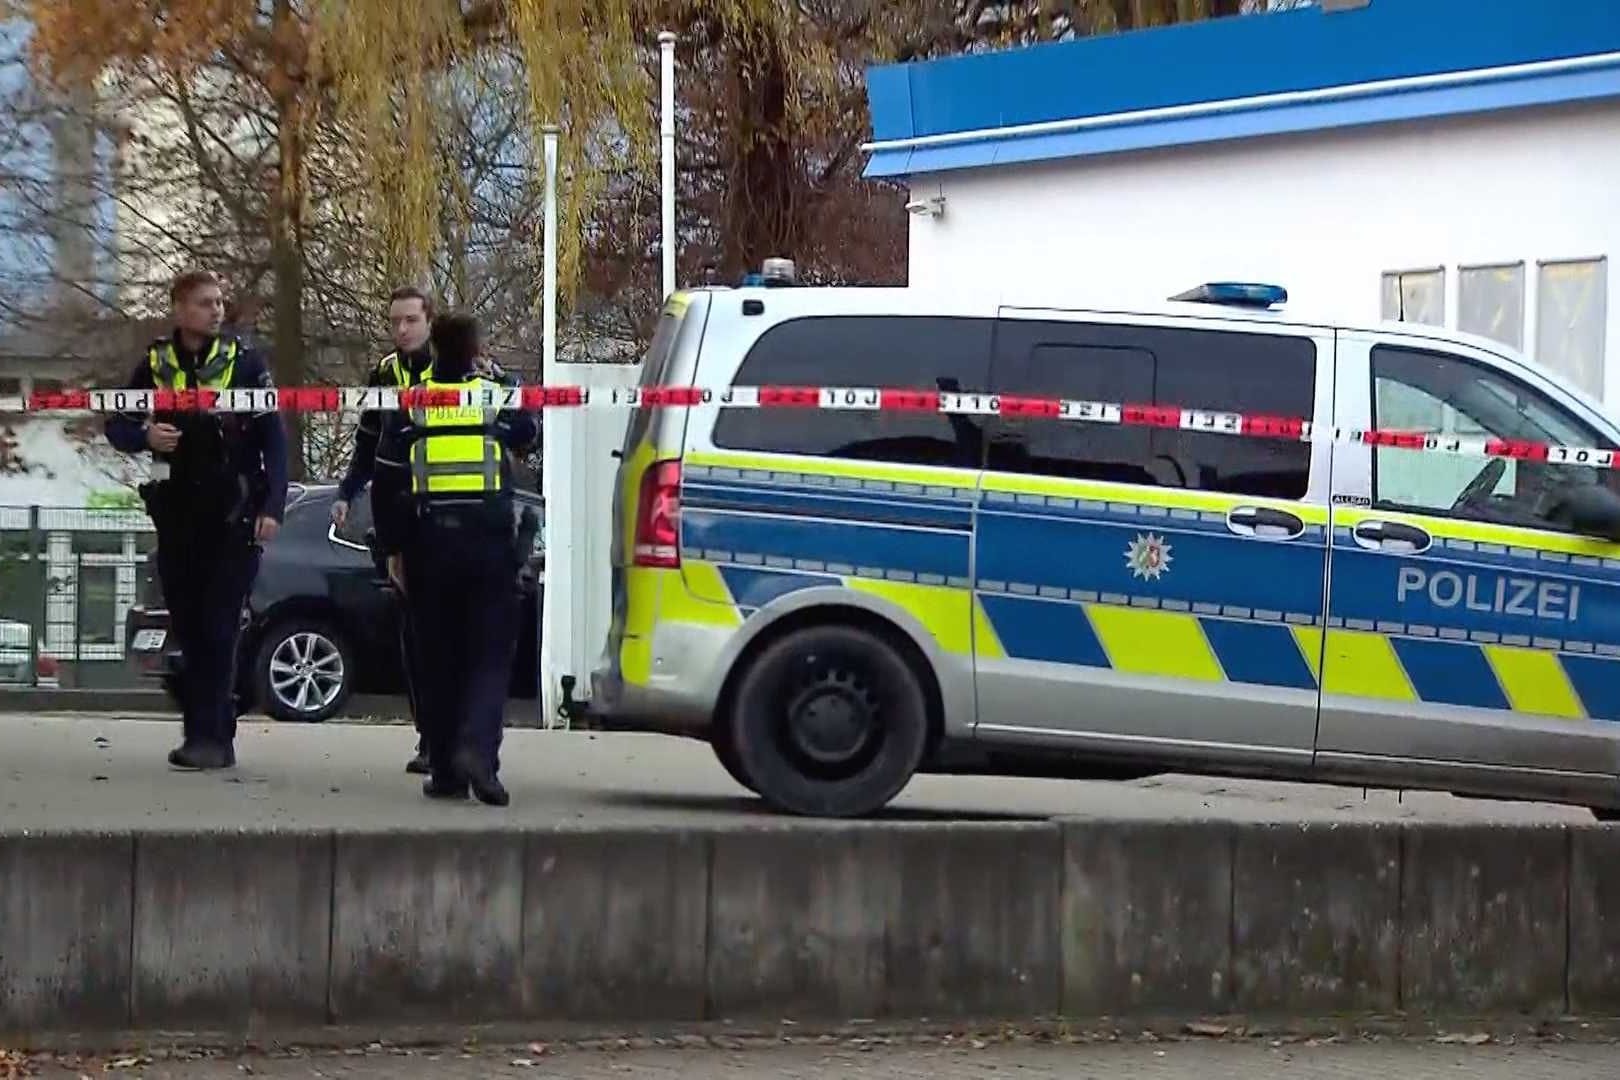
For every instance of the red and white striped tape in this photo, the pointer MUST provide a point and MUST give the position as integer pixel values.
(356, 399)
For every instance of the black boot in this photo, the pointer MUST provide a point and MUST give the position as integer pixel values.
(418, 765)
(485, 785)
(440, 786)
(197, 754)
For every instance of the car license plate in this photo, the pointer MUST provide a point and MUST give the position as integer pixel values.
(149, 640)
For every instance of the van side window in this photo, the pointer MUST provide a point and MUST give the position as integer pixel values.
(891, 351)
(1269, 374)
(1433, 392)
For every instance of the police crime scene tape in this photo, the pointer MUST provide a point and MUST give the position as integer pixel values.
(358, 399)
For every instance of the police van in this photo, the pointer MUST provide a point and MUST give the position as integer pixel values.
(838, 599)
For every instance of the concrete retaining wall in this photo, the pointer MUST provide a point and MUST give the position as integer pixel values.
(238, 932)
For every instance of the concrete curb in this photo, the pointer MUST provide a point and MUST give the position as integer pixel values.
(27, 700)
(815, 922)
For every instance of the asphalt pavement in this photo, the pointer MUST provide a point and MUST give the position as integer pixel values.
(106, 772)
(961, 1061)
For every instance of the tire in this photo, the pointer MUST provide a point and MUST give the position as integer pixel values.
(304, 670)
(829, 721)
(721, 743)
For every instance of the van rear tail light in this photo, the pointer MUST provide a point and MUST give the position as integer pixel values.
(658, 516)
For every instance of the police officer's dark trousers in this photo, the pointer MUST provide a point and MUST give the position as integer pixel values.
(408, 653)
(460, 584)
(206, 576)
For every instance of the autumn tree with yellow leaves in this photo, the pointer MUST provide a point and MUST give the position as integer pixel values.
(376, 64)
(362, 105)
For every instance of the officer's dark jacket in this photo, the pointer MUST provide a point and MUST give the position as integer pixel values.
(517, 430)
(378, 431)
(254, 446)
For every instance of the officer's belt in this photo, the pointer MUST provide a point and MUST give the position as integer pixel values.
(492, 515)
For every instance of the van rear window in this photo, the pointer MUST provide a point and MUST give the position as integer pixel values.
(654, 366)
(908, 352)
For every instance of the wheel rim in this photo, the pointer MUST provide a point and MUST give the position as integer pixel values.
(832, 722)
(306, 672)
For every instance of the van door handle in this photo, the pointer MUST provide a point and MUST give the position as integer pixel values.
(1248, 520)
(1387, 535)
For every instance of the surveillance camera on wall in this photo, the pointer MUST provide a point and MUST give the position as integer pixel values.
(933, 207)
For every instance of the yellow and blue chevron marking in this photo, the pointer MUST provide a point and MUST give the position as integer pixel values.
(1054, 586)
(1480, 621)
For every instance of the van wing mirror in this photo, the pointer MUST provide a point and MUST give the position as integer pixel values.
(1589, 509)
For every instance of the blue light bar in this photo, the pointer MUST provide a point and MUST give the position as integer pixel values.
(1235, 294)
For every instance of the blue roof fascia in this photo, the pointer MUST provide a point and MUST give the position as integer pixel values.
(888, 93)
(1100, 136)
(1237, 57)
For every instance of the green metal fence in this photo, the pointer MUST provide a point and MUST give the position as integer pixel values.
(68, 578)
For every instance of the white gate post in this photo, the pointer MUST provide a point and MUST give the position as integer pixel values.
(558, 528)
(576, 481)
(666, 46)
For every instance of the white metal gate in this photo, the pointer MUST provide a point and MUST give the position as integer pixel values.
(577, 483)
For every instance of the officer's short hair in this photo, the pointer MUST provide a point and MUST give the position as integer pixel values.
(411, 292)
(189, 282)
(456, 341)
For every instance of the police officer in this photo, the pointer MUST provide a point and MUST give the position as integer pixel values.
(378, 458)
(218, 492)
(460, 558)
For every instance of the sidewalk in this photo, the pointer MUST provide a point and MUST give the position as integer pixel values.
(1166, 1061)
(99, 772)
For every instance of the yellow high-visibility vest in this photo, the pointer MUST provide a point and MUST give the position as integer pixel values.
(214, 373)
(393, 367)
(454, 450)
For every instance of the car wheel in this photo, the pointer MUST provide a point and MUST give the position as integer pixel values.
(304, 670)
(829, 721)
(720, 740)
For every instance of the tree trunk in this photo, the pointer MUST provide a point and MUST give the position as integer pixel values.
(286, 238)
(766, 216)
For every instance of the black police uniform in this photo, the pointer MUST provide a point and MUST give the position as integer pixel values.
(379, 460)
(226, 472)
(461, 563)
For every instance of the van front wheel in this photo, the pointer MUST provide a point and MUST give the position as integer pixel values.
(829, 721)
(720, 741)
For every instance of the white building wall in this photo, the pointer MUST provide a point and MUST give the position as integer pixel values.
(160, 197)
(1326, 214)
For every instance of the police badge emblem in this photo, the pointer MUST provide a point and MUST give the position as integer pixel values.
(1148, 557)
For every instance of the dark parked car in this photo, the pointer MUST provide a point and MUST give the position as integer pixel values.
(321, 623)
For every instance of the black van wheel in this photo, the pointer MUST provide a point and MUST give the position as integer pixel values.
(720, 741)
(829, 721)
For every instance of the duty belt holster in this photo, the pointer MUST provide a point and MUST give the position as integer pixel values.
(206, 486)
(528, 526)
